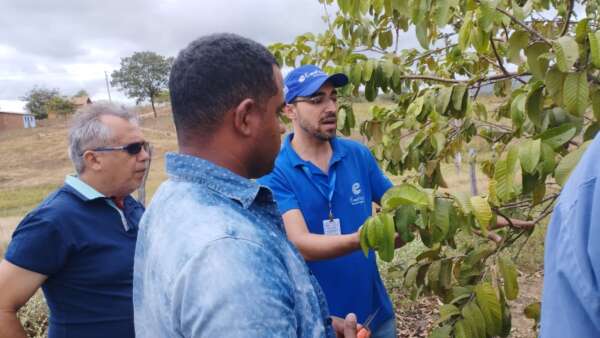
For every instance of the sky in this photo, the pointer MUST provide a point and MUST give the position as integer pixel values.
(69, 44)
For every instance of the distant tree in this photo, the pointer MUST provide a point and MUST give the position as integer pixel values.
(81, 93)
(37, 99)
(163, 97)
(143, 76)
(61, 106)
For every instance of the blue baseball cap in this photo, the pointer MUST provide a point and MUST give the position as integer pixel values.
(306, 80)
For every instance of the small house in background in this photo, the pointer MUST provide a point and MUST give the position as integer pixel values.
(13, 115)
(80, 101)
(77, 101)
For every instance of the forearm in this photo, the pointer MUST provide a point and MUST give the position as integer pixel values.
(10, 326)
(317, 247)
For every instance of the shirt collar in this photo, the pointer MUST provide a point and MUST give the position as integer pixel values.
(84, 190)
(216, 178)
(338, 151)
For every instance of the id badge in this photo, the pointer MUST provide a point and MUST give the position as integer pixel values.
(332, 227)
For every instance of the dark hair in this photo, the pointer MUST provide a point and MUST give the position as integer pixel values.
(215, 73)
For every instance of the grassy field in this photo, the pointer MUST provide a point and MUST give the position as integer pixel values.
(35, 162)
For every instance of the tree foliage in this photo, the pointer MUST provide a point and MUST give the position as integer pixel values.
(60, 106)
(541, 56)
(143, 76)
(37, 101)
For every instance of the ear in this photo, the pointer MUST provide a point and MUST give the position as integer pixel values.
(246, 117)
(92, 161)
(290, 111)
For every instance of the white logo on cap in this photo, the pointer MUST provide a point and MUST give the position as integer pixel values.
(301, 78)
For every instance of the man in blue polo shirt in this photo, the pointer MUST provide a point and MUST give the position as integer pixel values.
(79, 243)
(324, 187)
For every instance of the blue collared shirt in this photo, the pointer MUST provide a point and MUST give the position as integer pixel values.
(571, 296)
(85, 246)
(212, 260)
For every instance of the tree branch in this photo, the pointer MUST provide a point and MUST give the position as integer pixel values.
(522, 24)
(492, 78)
(565, 29)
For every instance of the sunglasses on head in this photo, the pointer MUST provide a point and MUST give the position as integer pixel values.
(132, 148)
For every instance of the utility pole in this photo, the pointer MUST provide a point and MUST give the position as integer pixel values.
(107, 86)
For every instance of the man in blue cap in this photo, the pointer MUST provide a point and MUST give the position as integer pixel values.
(324, 187)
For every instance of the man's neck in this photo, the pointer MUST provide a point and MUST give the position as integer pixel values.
(98, 185)
(220, 151)
(312, 149)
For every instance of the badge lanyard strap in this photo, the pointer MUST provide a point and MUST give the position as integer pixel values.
(331, 178)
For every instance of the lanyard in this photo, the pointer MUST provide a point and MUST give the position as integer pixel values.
(331, 178)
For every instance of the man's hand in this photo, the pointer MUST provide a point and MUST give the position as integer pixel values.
(346, 328)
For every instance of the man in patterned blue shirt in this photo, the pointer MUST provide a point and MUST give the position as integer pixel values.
(571, 297)
(212, 258)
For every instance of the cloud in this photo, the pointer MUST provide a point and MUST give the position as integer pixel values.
(68, 44)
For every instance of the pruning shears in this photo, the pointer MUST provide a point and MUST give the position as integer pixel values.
(365, 330)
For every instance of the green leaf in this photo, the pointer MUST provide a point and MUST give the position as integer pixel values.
(442, 12)
(567, 52)
(405, 216)
(581, 30)
(465, 32)
(595, 48)
(446, 274)
(555, 80)
(387, 237)
(556, 137)
(460, 96)
(441, 332)
(356, 74)
(448, 311)
(576, 93)
(529, 155)
(522, 12)
(464, 201)
(482, 211)
(596, 104)
(370, 91)
(443, 100)
(404, 194)
(532, 311)
(461, 330)
(509, 275)
(441, 219)
(517, 110)
(568, 163)
(367, 70)
(421, 31)
(487, 14)
(517, 41)
(490, 308)
(537, 65)
(474, 319)
(479, 254)
(534, 104)
(386, 39)
(433, 276)
(364, 240)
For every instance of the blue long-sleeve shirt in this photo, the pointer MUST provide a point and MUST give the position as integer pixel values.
(571, 296)
(212, 260)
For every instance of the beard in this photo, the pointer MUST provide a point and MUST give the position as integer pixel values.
(315, 131)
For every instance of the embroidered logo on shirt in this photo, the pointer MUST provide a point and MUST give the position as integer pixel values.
(356, 188)
(357, 198)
